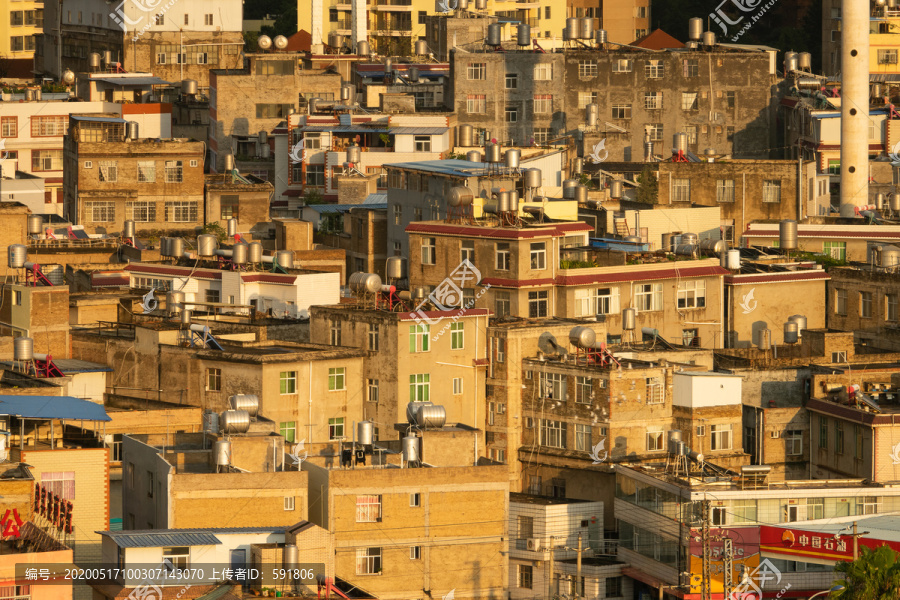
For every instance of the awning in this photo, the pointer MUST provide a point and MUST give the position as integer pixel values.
(132, 80)
(420, 130)
(52, 407)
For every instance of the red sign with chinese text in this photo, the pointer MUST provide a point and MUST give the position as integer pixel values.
(800, 543)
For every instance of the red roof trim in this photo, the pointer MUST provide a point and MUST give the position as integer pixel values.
(153, 269)
(270, 278)
(753, 278)
(551, 230)
(516, 283)
(642, 275)
(873, 233)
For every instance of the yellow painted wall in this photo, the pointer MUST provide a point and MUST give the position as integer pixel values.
(10, 6)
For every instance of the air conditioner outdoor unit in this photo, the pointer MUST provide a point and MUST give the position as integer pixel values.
(533, 544)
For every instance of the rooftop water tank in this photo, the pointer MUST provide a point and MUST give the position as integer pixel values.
(573, 30)
(18, 254)
(421, 47)
(582, 337)
(176, 247)
(465, 135)
(189, 87)
(206, 244)
(473, 156)
(235, 421)
(629, 319)
(410, 449)
(533, 178)
(285, 258)
(255, 253)
(222, 451)
(264, 42)
(800, 320)
(23, 348)
(247, 402)
(765, 339)
(734, 260)
(695, 29)
(365, 433)
(365, 283)
(431, 417)
(35, 224)
(791, 333)
(616, 189)
(174, 302)
(395, 267)
(523, 35)
(362, 48)
(494, 35)
(460, 196)
(239, 254)
(512, 158)
(787, 234)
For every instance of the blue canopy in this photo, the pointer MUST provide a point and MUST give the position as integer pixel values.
(52, 407)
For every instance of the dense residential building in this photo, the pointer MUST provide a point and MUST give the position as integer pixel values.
(842, 240)
(111, 178)
(864, 297)
(883, 44)
(531, 98)
(202, 35)
(25, 21)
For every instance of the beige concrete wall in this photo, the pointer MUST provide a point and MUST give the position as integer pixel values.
(772, 304)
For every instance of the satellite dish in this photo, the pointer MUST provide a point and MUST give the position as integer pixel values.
(547, 344)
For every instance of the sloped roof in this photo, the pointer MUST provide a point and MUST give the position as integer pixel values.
(658, 40)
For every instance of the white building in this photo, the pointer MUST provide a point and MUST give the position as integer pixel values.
(285, 295)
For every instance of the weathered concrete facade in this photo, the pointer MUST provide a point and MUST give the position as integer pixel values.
(863, 298)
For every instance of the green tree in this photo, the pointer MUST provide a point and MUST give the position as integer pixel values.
(648, 190)
(215, 229)
(875, 575)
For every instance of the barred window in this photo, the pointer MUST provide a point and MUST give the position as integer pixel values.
(49, 126)
(141, 211)
(46, 160)
(587, 68)
(476, 71)
(174, 171)
(109, 171)
(772, 191)
(101, 212)
(181, 211)
(146, 171)
(475, 104)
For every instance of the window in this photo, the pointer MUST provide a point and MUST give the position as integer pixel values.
(423, 143)
(543, 104)
(688, 100)
(62, 483)
(654, 69)
(9, 127)
(512, 114)
(336, 428)
(288, 382)
(681, 190)
(141, 212)
(622, 65)
(725, 190)
(368, 509)
(419, 338)
(538, 304)
(890, 307)
(429, 252)
(372, 390)
(335, 333)
(476, 71)
(539, 255)
(16, 18)
(457, 336)
(583, 438)
(467, 251)
(744, 511)
(823, 432)
(866, 505)
(160, 18)
(475, 104)
(15, 592)
(587, 68)
(614, 587)
(174, 171)
(653, 100)
(834, 167)
(46, 160)
(543, 72)
(229, 205)
(793, 443)
(621, 111)
(213, 380)
(553, 434)
(653, 390)
(512, 81)
(288, 503)
(654, 441)
(865, 305)
(691, 67)
(526, 572)
(772, 190)
(553, 385)
(584, 390)
(720, 437)
(836, 250)
(887, 57)
(656, 131)
(288, 430)
(49, 126)
(146, 171)
(585, 98)
(420, 387)
(109, 171)
(398, 214)
(692, 294)
(838, 437)
(501, 303)
(101, 212)
(337, 379)
(374, 342)
(213, 296)
(648, 296)
(501, 254)
(542, 135)
(177, 558)
(272, 111)
(368, 561)
(181, 211)
(840, 302)
(415, 552)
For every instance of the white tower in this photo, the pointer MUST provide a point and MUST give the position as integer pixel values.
(316, 34)
(358, 30)
(854, 106)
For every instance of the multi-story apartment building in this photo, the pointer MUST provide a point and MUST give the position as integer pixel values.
(842, 242)
(110, 179)
(532, 274)
(322, 140)
(257, 97)
(863, 298)
(38, 312)
(33, 132)
(360, 230)
(525, 96)
(26, 22)
(174, 43)
(883, 42)
(411, 361)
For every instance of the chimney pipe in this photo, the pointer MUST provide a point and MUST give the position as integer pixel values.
(854, 106)
(316, 45)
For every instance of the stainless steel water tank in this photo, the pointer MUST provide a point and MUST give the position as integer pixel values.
(222, 452)
(687, 249)
(395, 267)
(585, 28)
(801, 322)
(365, 283)
(695, 29)
(189, 87)
(285, 258)
(690, 238)
(734, 260)
(132, 130)
(410, 449)
(494, 35)
(629, 318)
(18, 254)
(235, 421)
(709, 38)
(229, 163)
(165, 247)
(176, 247)
(421, 47)
(174, 302)
(247, 402)
(503, 202)
(94, 60)
(805, 61)
(493, 152)
(412, 74)
(513, 155)
(206, 244)
(716, 247)
(354, 154)
(460, 196)
(68, 77)
(890, 256)
(23, 348)
(186, 317)
(578, 165)
(240, 254)
(474, 156)
(681, 142)
(764, 339)
(255, 253)
(532, 178)
(880, 200)
(600, 37)
(211, 421)
(465, 135)
(523, 35)
(791, 335)
(231, 227)
(787, 234)
(362, 48)
(431, 417)
(291, 558)
(480, 4)
(582, 337)
(895, 202)
(616, 189)
(573, 29)
(35, 224)
(581, 194)
(264, 42)
(365, 433)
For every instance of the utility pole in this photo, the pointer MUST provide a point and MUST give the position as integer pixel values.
(728, 556)
(855, 541)
(705, 592)
(579, 591)
(552, 581)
